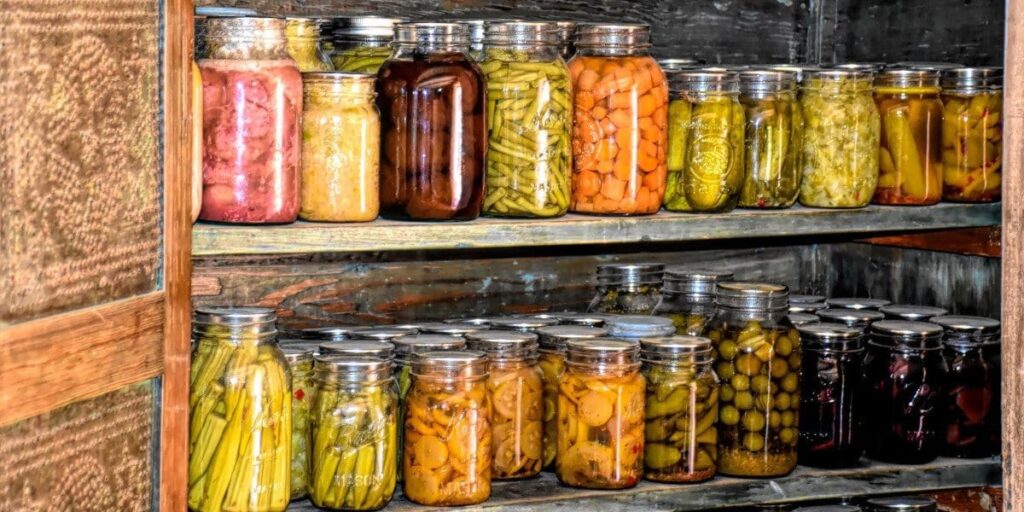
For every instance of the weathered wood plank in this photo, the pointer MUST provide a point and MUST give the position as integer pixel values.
(970, 241)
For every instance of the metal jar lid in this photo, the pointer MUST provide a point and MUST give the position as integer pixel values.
(455, 364)
(406, 346)
(300, 345)
(901, 504)
(873, 67)
(351, 369)
(830, 336)
(860, 73)
(694, 282)
(583, 319)
(503, 344)
(339, 82)
(613, 35)
(860, 318)
(766, 80)
(366, 26)
(904, 335)
(476, 30)
(908, 78)
(555, 337)
(521, 33)
(705, 80)
(798, 70)
(806, 307)
(597, 351)
(267, 30)
(380, 333)
(638, 326)
(829, 508)
(522, 324)
(629, 276)
(368, 348)
(911, 312)
(747, 295)
(433, 33)
(259, 321)
(805, 299)
(676, 349)
(332, 333)
(930, 66)
(451, 329)
(971, 78)
(798, 319)
(477, 321)
(962, 330)
(677, 64)
(856, 303)
(297, 355)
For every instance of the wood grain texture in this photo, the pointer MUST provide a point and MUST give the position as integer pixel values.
(985, 241)
(48, 363)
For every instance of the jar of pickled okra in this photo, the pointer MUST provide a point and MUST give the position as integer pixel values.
(601, 415)
(621, 114)
(553, 341)
(634, 327)
(910, 156)
(972, 134)
(911, 312)
(841, 138)
(447, 455)
(905, 378)
(856, 303)
(773, 134)
(855, 318)
(237, 370)
(627, 288)
(973, 385)
(680, 442)
(362, 43)
(529, 121)
(759, 365)
(433, 125)
(901, 504)
(688, 298)
(304, 45)
(358, 348)
(300, 365)
(705, 151)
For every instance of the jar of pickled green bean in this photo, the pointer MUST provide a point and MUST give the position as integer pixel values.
(300, 363)
(363, 43)
(774, 130)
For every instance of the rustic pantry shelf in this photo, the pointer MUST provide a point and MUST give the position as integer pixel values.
(385, 235)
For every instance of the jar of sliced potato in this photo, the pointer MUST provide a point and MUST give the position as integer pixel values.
(300, 364)
(972, 134)
(688, 298)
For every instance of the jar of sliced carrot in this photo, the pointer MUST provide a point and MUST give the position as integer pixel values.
(621, 114)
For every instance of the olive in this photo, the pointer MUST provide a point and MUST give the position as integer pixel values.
(779, 367)
(748, 364)
(740, 382)
(794, 361)
(729, 415)
(753, 421)
(788, 435)
(753, 441)
(725, 371)
(790, 383)
(788, 418)
(726, 393)
(760, 384)
(744, 400)
(763, 401)
(782, 401)
(783, 346)
(774, 419)
(727, 350)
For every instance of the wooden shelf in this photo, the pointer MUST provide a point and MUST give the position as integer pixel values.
(386, 235)
(545, 493)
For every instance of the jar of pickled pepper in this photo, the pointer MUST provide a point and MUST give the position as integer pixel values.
(774, 132)
(362, 43)
(909, 158)
(705, 152)
(855, 318)
(304, 45)
(240, 408)
(627, 288)
(601, 415)
(972, 134)
(300, 365)
(447, 455)
(354, 434)
(688, 298)
(680, 442)
(911, 312)
(759, 365)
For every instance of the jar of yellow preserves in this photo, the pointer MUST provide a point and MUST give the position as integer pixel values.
(774, 131)
(304, 45)
(909, 157)
(972, 134)
(601, 415)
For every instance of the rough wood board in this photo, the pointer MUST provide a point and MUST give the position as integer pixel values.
(969, 241)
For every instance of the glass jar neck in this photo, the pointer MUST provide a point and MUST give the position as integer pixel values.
(337, 94)
(431, 47)
(335, 382)
(246, 39)
(613, 51)
(753, 313)
(598, 366)
(850, 86)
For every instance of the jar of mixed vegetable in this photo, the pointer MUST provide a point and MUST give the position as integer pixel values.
(909, 158)
(774, 132)
(300, 365)
(304, 45)
(362, 43)
(972, 134)
(688, 298)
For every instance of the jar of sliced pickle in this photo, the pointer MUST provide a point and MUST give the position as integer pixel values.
(354, 434)
(447, 455)
(240, 408)
(759, 365)
(841, 138)
(774, 132)
(972, 134)
(358, 348)
(856, 303)
(855, 318)
(909, 158)
(362, 43)
(601, 415)
(911, 312)
(300, 366)
(705, 153)
(304, 45)
(681, 411)
(973, 389)
(688, 298)
(634, 327)
(627, 288)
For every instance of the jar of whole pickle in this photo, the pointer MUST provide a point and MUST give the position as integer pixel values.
(831, 389)
(841, 138)
(252, 107)
(553, 341)
(621, 113)
(634, 327)
(909, 158)
(680, 443)
(774, 132)
(431, 99)
(627, 288)
(300, 365)
(972, 134)
(515, 387)
(759, 365)
(705, 151)
(855, 318)
(856, 303)
(329, 333)
(973, 399)
(340, 148)
(601, 415)
(529, 118)
(911, 312)
(566, 39)
(688, 298)
(363, 43)
(358, 348)
(239, 459)
(905, 377)
(304, 45)
(521, 324)
(447, 455)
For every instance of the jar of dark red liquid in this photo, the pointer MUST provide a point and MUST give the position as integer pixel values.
(431, 100)
(252, 108)
(831, 393)
(973, 388)
(904, 376)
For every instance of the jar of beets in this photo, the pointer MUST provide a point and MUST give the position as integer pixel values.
(252, 108)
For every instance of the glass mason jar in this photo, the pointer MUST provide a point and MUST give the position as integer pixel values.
(680, 443)
(241, 412)
(601, 415)
(759, 364)
(841, 138)
(911, 312)
(363, 43)
(529, 119)
(330, 333)
(382, 333)
(973, 384)
(252, 107)
(634, 327)
(304, 45)
(831, 390)
(358, 348)
(340, 148)
(354, 433)
(901, 504)
(521, 323)
(566, 39)
(515, 387)
(910, 157)
(856, 318)
(300, 365)
(627, 288)
(856, 303)
(705, 152)
(452, 329)
(553, 341)
(972, 134)
(447, 455)
(774, 132)
(621, 112)
(798, 319)
(905, 377)
(431, 99)
(688, 298)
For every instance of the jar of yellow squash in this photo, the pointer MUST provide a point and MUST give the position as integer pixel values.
(972, 134)
(909, 158)
(304, 45)
(300, 366)
(688, 298)
(774, 131)
(601, 415)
